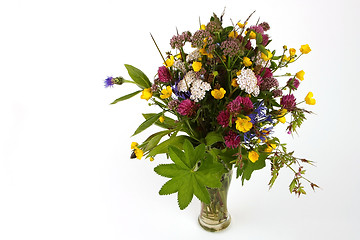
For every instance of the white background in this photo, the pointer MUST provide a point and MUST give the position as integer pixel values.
(65, 171)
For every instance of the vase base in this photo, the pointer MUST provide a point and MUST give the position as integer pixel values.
(215, 226)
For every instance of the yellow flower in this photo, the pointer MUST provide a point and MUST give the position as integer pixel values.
(282, 113)
(238, 73)
(178, 56)
(146, 94)
(253, 156)
(166, 92)
(139, 153)
(151, 159)
(196, 66)
(169, 62)
(268, 57)
(247, 62)
(241, 25)
(204, 52)
(292, 51)
(202, 27)
(234, 83)
(285, 47)
(243, 124)
(218, 93)
(309, 99)
(252, 35)
(285, 58)
(233, 34)
(161, 119)
(305, 49)
(300, 75)
(270, 148)
(134, 145)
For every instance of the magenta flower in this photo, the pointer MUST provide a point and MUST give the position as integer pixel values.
(232, 140)
(187, 108)
(288, 102)
(241, 105)
(223, 118)
(164, 74)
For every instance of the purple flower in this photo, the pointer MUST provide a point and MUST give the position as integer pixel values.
(109, 82)
(187, 108)
(268, 83)
(164, 74)
(265, 26)
(288, 102)
(178, 41)
(265, 39)
(173, 104)
(223, 118)
(198, 38)
(293, 83)
(240, 105)
(231, 47)
(277, 93)
(232, 140)
(267, 73)
(257, 28)
(182, 95)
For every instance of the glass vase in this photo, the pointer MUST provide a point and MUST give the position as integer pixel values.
(214, 216)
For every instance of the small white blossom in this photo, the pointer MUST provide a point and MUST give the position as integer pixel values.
(180, 65)
(248, 82)
(193, 56)
(260, 61)
(184, 84)
(198, 90)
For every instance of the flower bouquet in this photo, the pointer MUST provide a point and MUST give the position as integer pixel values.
(218, 106)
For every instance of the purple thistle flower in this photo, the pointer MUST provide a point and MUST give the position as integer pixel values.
(164, 74)
(109, 82)
(288, 102)
(232, 140)
(182, 95)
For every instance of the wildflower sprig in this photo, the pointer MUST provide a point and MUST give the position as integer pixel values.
(223, 100)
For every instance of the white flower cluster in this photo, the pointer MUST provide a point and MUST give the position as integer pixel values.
(260, 61)
(197, 87)
(198, 90)
(248, 82)
(193, 56)
(178, 64)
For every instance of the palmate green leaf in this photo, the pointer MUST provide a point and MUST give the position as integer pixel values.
(147, 123)
(185, 179)
(130, 95)
(138, 76)
(213, 137)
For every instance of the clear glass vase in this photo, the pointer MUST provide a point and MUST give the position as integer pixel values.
(214, 216)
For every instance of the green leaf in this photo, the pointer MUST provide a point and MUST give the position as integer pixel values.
(130, 95)
(138, 76)
(168, 170)
(262, 49)
(213, 137)
(154, 139)
(147, 123)
(176, 141)
(259, 38)
(187, 179)
(249, 167)
(168, 122)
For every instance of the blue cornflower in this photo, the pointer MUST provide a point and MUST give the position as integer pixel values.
(109, 82)
(259, 114)
(182, 95)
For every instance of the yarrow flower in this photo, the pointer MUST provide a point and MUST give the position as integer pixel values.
(248, 82)
(288, 102)
(232, 140)
(173, 104)
(186, 108)
(198, 38)
(198, 89)
(231, 47)
(178, 41)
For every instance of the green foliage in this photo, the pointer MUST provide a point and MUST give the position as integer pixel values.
(168, 123)
(130, 95)
(249, 167)
(191, 172)
(176, 141)
(213, 137)
(147, 123)
(259, 38)
(138, 76)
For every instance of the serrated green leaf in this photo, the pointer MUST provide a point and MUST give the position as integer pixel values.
(168, 170)
(138, 76)
(147, 123)
(130, 95)
(213, 137)
(179, 158)
(171, 186)
(185, 193)
(200, 191)
(189, 153)
(198, 154)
